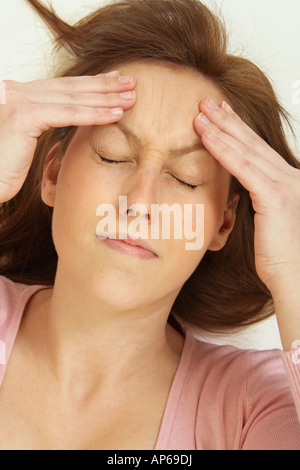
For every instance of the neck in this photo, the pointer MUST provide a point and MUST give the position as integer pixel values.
(80, 335)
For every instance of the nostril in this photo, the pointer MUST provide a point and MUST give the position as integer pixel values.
(130, 212)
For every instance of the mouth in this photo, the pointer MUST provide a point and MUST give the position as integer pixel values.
(125, 244)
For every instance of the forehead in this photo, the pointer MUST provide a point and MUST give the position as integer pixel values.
(168, 98)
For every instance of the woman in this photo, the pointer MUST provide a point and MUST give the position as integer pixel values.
(97, 332)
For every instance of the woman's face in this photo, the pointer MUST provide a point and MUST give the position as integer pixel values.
(148, 173)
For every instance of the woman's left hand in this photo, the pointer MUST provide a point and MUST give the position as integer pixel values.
(274, 187)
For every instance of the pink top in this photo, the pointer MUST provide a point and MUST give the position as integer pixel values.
(222, 398)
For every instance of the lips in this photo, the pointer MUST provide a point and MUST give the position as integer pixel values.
(125, 238)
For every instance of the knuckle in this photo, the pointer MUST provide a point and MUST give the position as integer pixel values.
(237, 118)
(74, 110)
(103, 116)
(16, 102)
(73, 97)
(110, 99)
(13, 96)
(245, 164)
(18, 111)
(92, 117)
(106, 84)
(101, 113)
(67, 82)
(10, 84)
(223, 117)
(279, 196)
(226, 152)
(226, 121)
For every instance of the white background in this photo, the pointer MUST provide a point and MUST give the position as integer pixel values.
(265, 31)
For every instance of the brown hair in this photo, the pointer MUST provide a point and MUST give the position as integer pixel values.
(225, 291)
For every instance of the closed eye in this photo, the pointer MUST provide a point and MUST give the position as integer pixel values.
(188, 185)
(116, 162)
(113, 162)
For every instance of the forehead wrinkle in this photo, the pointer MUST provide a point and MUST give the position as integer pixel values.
(131, 136)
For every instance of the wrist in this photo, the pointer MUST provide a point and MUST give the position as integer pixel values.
(286, 298)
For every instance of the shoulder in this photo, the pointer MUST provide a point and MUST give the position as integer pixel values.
(231, 357)
(239, 370)
(13, 297)
(240, 394)
(9, 293)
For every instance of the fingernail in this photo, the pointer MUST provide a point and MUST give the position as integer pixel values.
(2, 92)
(128, 95)
(227, 108)
(113, 74)
(126, 78)
(116, 111)
(211, 104)
(203, 119)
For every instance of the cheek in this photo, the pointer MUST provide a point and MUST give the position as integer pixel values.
(79, 192)
(179, 264)
(184, 255)
(84, 184)
(216, 200)
(207, 219)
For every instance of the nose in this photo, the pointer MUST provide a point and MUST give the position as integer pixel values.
(142, 189)
(143, 212)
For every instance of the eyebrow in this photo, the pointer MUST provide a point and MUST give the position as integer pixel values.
(173, 153)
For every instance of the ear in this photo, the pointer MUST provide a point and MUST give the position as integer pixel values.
(228, 221)
(50, 175)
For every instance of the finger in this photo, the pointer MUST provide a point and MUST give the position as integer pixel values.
(94, 100)
(268, 161)
(249, 175)
(230, 123)
(83, 84)
(51, 115)
(247, 157)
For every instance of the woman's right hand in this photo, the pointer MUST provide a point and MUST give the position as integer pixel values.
(31, 108)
